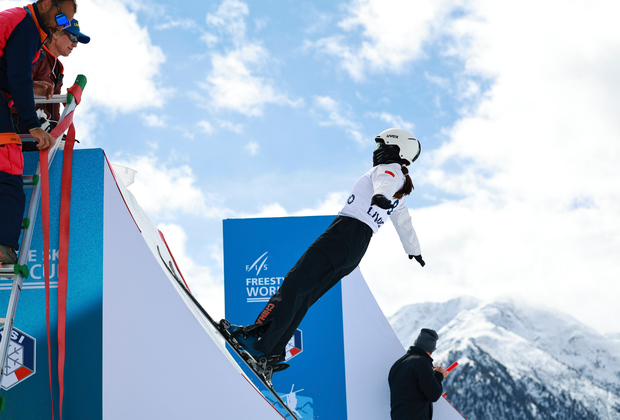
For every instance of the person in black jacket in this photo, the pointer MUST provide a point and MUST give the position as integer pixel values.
(414, 383)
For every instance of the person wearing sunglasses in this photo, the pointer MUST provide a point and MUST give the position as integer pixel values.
(23, 31)
(48, 72)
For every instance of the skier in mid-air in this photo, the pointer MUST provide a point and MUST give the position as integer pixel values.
(377, 195)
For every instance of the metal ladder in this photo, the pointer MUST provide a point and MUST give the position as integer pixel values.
(20, 271)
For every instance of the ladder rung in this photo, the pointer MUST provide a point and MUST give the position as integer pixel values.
(56, 99)
(30, 180)
(2, 321)
(7, 271)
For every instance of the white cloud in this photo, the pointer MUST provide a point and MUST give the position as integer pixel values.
(186, 24)
(545, 129)
(384, 35)
(442, 82)
(252, 148)
(168, 192)
(331, 205)
(230, 19)
(209, 39)
(395, 121)
(6, 4)
(205, 126)
(210, 128)
(121, 63)
(152, 120)
(230, 126)
(333, 113)
(235, 82)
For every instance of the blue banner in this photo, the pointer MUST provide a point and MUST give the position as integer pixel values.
(26, 385)
(257, 255)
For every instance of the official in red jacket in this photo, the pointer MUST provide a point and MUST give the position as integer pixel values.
(22, 32)
(414, 383)
(48, 70)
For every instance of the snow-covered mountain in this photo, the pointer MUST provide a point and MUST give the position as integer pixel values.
(517, 361)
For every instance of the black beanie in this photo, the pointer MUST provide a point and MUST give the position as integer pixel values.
(427, 340)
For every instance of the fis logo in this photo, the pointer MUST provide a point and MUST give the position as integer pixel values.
(259, 284)
(294, 346)
(21, 358)
(258, 265)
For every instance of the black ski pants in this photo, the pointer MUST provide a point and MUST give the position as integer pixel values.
(335, 254)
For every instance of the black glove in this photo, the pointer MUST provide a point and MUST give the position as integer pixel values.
(418, 258)
(380, 200)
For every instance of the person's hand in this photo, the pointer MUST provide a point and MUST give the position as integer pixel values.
(418, 258)
(43, 138)
(441, 370)
(382, 201)
(42, 88)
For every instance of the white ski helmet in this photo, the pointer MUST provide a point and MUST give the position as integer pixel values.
(409, 146)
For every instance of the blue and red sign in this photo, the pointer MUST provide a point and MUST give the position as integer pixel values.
(21, 358)
(295, 345)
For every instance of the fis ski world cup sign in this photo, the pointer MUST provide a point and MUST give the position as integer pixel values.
(21, 358)
(258, 253)
(260, 285)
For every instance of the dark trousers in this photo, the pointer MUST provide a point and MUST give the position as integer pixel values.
(12, 204)
(331, 257)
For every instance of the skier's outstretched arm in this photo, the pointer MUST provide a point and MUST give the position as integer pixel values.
(402, 222)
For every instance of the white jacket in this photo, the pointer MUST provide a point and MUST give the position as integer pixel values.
(385, 180)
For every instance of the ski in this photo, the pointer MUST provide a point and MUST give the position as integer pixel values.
(260, 367)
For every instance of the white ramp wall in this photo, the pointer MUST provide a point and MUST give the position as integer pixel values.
(160, 358)
(136, 346)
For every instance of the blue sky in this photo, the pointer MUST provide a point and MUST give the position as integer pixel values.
(262, 108)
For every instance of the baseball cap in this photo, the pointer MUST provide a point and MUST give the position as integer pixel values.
(75, 30)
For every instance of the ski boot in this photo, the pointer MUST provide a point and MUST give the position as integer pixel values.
(245, 338)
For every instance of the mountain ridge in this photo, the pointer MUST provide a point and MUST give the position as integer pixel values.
(518, 361)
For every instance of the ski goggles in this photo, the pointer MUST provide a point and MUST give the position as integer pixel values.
(61, 18)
